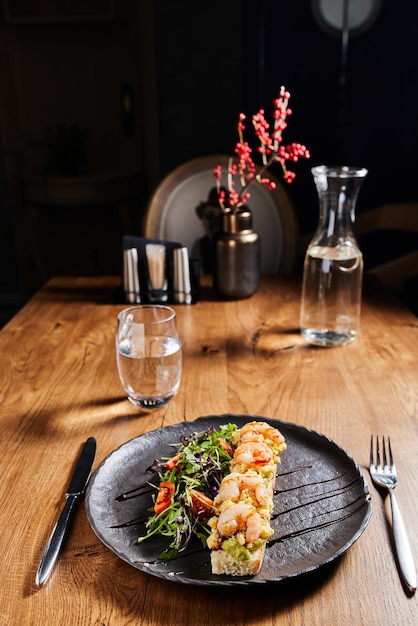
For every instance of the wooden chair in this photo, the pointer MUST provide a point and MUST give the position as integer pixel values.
(402, 220)
(181, 206)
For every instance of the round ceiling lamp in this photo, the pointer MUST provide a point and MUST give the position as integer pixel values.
(334, 16)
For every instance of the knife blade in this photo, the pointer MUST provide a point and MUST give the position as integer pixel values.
(75, 490)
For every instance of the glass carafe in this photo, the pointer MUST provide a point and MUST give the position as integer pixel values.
(333, 268)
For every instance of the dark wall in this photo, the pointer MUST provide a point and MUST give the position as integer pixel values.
(8, 273)
(382, 103)
(372, 123)
(199, 74)
(216, 59)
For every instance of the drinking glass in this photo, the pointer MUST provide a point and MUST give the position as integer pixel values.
(149, 355)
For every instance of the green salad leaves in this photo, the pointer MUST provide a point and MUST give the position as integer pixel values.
(188, 483)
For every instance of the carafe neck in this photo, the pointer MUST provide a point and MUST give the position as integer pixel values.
(338, 189)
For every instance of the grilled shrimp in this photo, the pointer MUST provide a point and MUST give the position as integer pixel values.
(240, 517)
(233, 484)
(255, 431)
(250, 454)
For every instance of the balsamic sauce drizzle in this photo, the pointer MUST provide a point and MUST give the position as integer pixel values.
(338, 491)
(294, 471)
(138, 520)
(315, 482)
(320, 526)
(142, 490)
(343, 511)
(271, 542)
(134, 493)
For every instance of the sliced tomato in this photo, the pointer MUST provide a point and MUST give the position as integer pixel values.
(226, 446)
(171, 463)
(201, 506)
(164, 498)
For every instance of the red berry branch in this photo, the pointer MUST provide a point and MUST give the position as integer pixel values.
(271, 150)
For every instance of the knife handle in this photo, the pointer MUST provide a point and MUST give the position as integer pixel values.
(55, 541)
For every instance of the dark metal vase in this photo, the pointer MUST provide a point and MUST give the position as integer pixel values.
(237, 256)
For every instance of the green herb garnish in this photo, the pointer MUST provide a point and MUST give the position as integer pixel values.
(196, 471)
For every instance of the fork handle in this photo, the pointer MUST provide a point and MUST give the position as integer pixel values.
(403, 549)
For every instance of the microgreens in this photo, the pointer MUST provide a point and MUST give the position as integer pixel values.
(202, 459)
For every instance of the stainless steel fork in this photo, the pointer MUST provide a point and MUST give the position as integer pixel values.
(386, 476)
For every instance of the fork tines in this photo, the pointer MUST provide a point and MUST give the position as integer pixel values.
(378, 463)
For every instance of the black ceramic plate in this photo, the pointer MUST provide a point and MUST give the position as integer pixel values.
(321, 505)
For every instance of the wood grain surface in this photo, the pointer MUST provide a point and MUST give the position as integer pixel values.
(59, 385)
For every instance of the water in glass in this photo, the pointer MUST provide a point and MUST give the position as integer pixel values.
(149, 357)
(331, 296)
(333, 268)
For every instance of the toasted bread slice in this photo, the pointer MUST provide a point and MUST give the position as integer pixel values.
(224, 563)
(243, 507)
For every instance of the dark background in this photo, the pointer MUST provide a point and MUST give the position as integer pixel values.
(192, 67)
(372, 123)
(281, 43)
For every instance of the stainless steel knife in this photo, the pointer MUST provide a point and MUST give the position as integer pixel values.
(75, 490)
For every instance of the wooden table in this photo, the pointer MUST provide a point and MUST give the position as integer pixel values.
(59, 385)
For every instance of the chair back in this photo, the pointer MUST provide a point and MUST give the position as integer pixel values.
(401, 218)
(181, 207)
